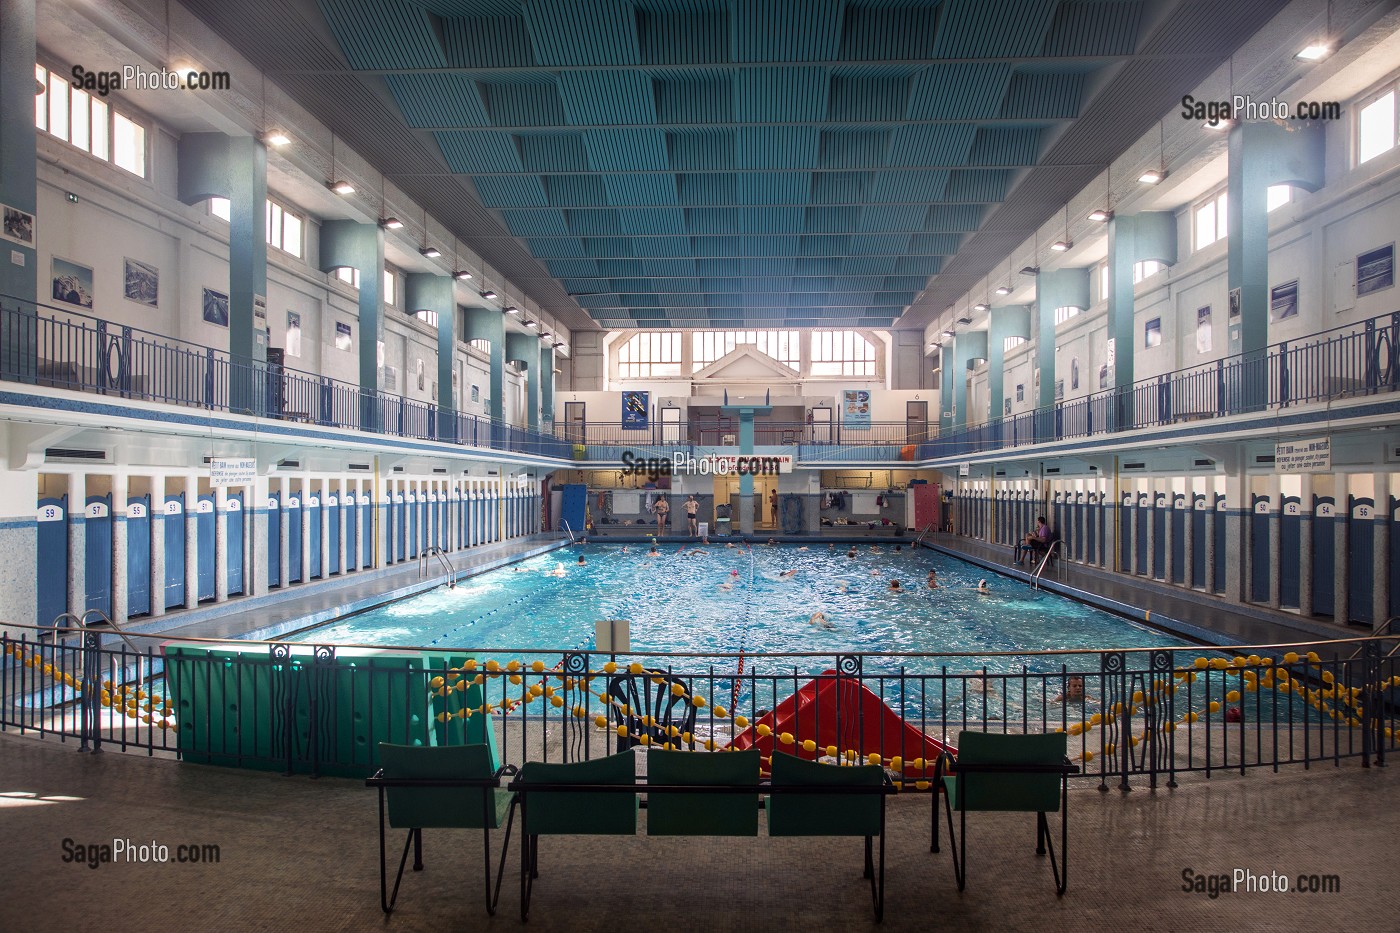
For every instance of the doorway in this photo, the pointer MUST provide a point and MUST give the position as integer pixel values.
(574, 422)
(915, 422)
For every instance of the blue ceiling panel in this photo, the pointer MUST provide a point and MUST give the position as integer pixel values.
(438, 99)
(384, 33)
(896, 282)
(510, 191)
(899, 31)
(884, 218)
(612, 247)
(932, 144)
(954, 218)
(683, 37)
(552, 152)
(818, 265)
(785, 30)
(934, 244)
(776, 147)
(867, 265)
(521, 102)
(842, 187)
(576, 191)
(1034, 96)
(832, 219)
(562, 268)
(663, 246)
(771, 219)
(626, 150)
(653, 221)
(878, 244)
(501, 41)
(780, 95)
(701, 150)
(1005, 146)
(849, 148)
(717, 267)
(993, 28)
(707, 189)
(768, 266)
(910, 187)
(694, 98)
(958, 91)
(470, 152)
(530, 223)
(988, 184)
(607, 97)
(638, 190)
(826, 244)
(583, 32)
(594, 223)
(868, 99)
(559, 247)
(774, 187)
(1094, 28)
(712, 220)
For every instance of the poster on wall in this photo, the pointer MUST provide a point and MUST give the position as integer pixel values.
(260, 313)
(1074, 373)
(855, 407)
(476, 393)
(1103, 376)
(1234, 303)
(635, 408)
(1375, 270)
(342, 336)
(293, 334)
(1020, 392)
(1152, 333)
(418, 371)
(1203, 329)
(17, 226)
(1059, 389)
(142, 282)
(72, 283)
(1283, 301)
(215, 306)
(1006, 406)
(389, 379)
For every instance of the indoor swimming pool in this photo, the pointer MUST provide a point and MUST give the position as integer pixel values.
(722, 600)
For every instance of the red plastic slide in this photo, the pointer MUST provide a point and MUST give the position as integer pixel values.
(841, 712)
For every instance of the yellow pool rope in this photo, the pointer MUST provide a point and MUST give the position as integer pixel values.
(131, 702)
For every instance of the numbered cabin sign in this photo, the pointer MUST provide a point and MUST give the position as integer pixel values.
(1142, 502)
(332, 501)
(1326, 510)
(1292, 508)
(364, 499)
(96, 510)
(1262, 507)
(1161, 502)
(174, 506)
(293, 502)
(50, 513)
(233, 505)
(272, 504)
(314, 502)
(1362, 510)
(1200, 503)
(1220, 505)
(136, 510)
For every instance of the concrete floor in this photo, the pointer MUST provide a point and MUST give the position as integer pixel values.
(301, 854)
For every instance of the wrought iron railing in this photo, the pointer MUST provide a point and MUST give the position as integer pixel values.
(61, 348)
(1131, 715)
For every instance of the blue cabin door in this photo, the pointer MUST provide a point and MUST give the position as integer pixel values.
(204, 528)
(332, 507)
(174, 518)
(1324, 550)
(274, 541)
(138, 555)
(366, 531)
(1290, 535)
(292, 516)
(233, 540)
(97, 525)
(51, 579)
(313, 535)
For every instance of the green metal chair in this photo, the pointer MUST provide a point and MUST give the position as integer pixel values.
(1023, 773)
(440, 787)
(554, 802)
(670, 813)
(844, 812)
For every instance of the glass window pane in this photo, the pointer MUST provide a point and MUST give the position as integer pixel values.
(389, 282)
(78, 116)
(1221, 215)
(1205, 225)
(41, 100)
(1279, 195)
(58, 106)
(221, 208)
(1376, 128)
(129, 145)
(100, 133)
(291, 234)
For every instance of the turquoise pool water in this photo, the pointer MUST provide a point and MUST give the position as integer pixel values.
(724, 600)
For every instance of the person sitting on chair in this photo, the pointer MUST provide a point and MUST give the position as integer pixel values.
(1035, 542)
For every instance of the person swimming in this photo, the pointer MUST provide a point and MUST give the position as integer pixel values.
(772, 542)
(788, 574)
(581, 561)
(803, 548)
(520, 570)
(899, 548)
(820, 620)
(982, 587)
(851, 553)
(726, 587)
(653, 552)
(843, 586)
(895, 587)
(932, 582)
(876, 572)
(558, 571)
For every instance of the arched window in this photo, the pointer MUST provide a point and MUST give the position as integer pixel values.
(648, 354)
(842, 353)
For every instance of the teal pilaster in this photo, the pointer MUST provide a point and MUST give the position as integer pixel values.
(1010, 321)
(489, 324)
(945, 390)
(970, 347)
(235, 167)
(361, 246)
(424, 291)
(1131, 239)
(525, 349)
(547, 387)
(18, 184)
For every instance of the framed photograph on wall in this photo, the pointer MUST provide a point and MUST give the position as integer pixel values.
(72, 283)
(17, 226)
(1074, 373)
(1375, 270)
(215, 305)
(1283, 301)
(1006, 406)
(1234, 303)
(142, 282)
(1020, 392)
(418, 371)
(1103, 376)
(293, 333)
(343, 338)
(1203, 340)
(476, 393)
(1152, 333)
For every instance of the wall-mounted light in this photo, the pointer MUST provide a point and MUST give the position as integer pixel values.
(1061, 246)
(276, 138)
(1100, 215)
(1152, 176)
(432, 252)
(488, 293)
(391, 223)
(461, 275)
(341, 187)
(1313, 53)
(510, 309)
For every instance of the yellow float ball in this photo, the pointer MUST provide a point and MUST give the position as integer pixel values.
(537, 666)
(709, 745)
(1133, 741)
(697, 702)
(442, 717)
(1240, 661)
(1137, 696)
(470, 665)
(830, 751)
(764, 731)
(1076, 728)
(600, 721)
(493, 665)
(741, 721)
(1088, 756)
(897, 763)
(1290, 658)
(720, 712)
(515, 678)
(1214, 706)
(874, 758)
(556, 702)
(786, 738)
(1219, 664)
(635, 667)
(850, 754)
(677, 690)
(513, 666)
(686, 737)
(621, 731)
(922, 785)
(644, 739)
(1192, 717)
(918, 764)
(1110, 748)
(1169, 727)
(1327, 677)
(487, 708)
(1233, 696)
(1313, 657)
(536, 690)
(610, 667)
(1095, 719)
(1201, 663)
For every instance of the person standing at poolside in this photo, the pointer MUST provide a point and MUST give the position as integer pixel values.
(773, 505)
(662, 509)
(692, 510)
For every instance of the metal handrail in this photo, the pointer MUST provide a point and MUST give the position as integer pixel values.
(1040, 571)
(924, 534)
(433, 550)
(569, 530)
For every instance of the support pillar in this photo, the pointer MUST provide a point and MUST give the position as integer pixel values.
(427, 292)
(346, 243)
(524, 349)
(18, 189)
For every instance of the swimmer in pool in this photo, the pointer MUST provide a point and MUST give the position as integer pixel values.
(932, 582)
(851, 552)
(820, 620)
(895, 587)
(1074, 692)
(729, 544)
(624, 549)
(788, 574)
(875, 572)
(876, 549)
(803, 548)
(558, 571)
(653, 552)
(581, 561)
(772, 542)
(843, 586)
(898, 548)
(978, 685)
(983, 588)
(726, 587)
(695, 552)
(520, 570)
(831, 545)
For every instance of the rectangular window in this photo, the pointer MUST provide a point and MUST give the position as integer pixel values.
(842, 353)
(1153, 333)
(1210, 221)
(284, 230)
(427, 317)
(41, 100)
(1279, 195)
(1146, 269)
(1103, 282)
(654, 353)
(221, 208)
(782, 345)
(349, 275)
(58, 107)
(391, 282)
(1011, 343)
(1375, 127)
(80, 120)
(291, 234)
(128, 145)
(1065, 313)
(101, 130)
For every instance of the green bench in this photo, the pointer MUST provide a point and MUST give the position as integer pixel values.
(700, 794)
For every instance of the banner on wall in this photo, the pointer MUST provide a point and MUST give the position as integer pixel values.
(635, 408)
(855, 405)
(1310, 456)
(240, 472)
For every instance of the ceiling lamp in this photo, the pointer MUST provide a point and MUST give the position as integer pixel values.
(1030, 270)
(432, 252)
(276, 138)
(511, 309)
(1061, 246)
(341, 187)
(529, 323)
(950, 333)
(391, 223)
(544, 334)
(488, 294)
(1100, 215)
(1003, 289)
(1313, 53)
(461, 275)
(1152, 176)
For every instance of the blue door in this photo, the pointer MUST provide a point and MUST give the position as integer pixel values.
(366, 532)
(204, 529)
(1160, 517)
(97, 523)
(1290, 534)
(332, 508)
(1091, 527)
(1178, 520)
(1140, 534)
(51, 579)
(292, 516)
(1394, 556)
(1259, 518)
(352, 522)
(415, 522)
(138, 555)
(400, 527)
(174, 517)
(1324, 552)
(1198, 540)
(274, 541)
(1361, 537)
(233, 539)
(1220, 547)
(313, 534)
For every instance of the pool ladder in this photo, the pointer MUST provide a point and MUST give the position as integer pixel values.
(83, 624)
(923, 534)
(441, 555)
(1044, 561)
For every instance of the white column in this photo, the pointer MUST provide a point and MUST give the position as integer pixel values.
(221, 543)
(191, 540)
(120, 603)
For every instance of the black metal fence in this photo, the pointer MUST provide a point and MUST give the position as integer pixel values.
(1132, 715)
